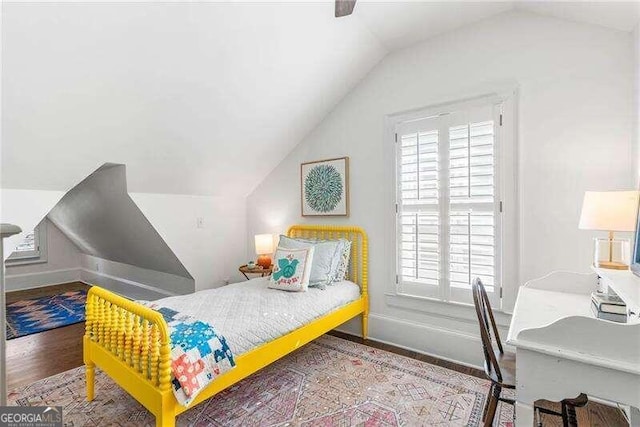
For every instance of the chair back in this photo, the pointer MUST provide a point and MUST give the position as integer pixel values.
(487, 326)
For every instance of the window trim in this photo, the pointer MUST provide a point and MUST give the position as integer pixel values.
(508, 250)
(32, 257)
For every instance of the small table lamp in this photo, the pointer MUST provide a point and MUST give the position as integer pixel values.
(264, 248)
(609, 211)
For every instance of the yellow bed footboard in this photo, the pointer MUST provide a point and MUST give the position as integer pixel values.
(131, 342)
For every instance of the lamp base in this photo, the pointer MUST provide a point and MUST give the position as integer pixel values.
(264, 261)
(612, 265)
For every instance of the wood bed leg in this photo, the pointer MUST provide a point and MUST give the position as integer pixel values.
(365, 325)
(91, 375)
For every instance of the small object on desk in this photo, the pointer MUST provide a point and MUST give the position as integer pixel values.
(613, 317)
(609, 303)
(251, 265)
(257, 269)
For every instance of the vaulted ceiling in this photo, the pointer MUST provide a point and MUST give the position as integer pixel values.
(200, 98)
(399, 24)
(195, 98)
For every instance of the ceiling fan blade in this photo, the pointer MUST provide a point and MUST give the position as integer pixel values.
(344, 7)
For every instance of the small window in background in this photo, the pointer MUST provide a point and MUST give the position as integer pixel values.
(32, 248)
(28, 245)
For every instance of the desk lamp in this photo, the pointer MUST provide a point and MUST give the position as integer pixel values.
(609, 211)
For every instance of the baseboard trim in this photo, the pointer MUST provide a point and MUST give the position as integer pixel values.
(18, 282)
(404, 347)
(118, 283)
(446, 344)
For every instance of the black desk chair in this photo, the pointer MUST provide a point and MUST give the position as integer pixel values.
(501, 368)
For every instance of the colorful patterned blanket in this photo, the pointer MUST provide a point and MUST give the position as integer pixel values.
(198, 353)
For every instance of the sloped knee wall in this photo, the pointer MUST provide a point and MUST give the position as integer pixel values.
(99, 217)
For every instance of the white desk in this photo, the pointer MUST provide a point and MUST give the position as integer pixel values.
(563, 350)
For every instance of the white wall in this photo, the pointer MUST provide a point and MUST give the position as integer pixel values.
(25, 208)
(575, 131)
(211, 254)
(61, 266)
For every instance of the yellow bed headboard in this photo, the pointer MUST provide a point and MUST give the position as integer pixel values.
(358, 265)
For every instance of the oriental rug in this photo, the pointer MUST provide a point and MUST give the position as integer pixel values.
(328, 382)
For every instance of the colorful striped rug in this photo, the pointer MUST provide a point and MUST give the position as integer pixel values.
(30, 316)
(328, 382)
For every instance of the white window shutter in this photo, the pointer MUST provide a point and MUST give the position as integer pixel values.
(418, 217)
(447, 204)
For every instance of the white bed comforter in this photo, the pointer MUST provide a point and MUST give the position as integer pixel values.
(249, 314)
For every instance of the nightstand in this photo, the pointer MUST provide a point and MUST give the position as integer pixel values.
(256, 270)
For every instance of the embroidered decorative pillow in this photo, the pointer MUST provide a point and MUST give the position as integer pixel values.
(345, 256)
(326, 258)
(291, 269)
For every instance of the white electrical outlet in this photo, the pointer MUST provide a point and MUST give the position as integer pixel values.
(199, 222)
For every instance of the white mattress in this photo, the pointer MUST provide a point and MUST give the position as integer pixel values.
(249, 314)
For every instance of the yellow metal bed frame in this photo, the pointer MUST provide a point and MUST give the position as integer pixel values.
(131, 343)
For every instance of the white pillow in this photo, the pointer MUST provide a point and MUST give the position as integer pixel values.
(326, 258)
(291, 269)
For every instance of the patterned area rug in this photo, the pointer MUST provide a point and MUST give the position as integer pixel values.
(329, 382)
(29, 316)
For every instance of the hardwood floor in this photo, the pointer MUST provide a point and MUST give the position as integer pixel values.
(33, 357)
(41, 355)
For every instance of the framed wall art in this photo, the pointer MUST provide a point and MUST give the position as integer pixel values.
(324, 187)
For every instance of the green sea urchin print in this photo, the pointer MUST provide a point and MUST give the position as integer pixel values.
(323, 188)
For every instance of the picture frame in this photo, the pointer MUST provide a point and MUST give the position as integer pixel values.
(324, 187)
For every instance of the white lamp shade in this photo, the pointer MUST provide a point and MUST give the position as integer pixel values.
(264, 244)
(609, 210)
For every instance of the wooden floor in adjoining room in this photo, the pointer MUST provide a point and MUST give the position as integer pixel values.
(37, 356)
(34, 357)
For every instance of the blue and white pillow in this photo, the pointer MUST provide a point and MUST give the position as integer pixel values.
(291, 269)
(326, 258)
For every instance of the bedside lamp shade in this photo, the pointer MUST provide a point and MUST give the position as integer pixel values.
(264, 248)
(609, 211)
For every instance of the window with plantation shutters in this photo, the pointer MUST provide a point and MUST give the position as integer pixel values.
(448, 203)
